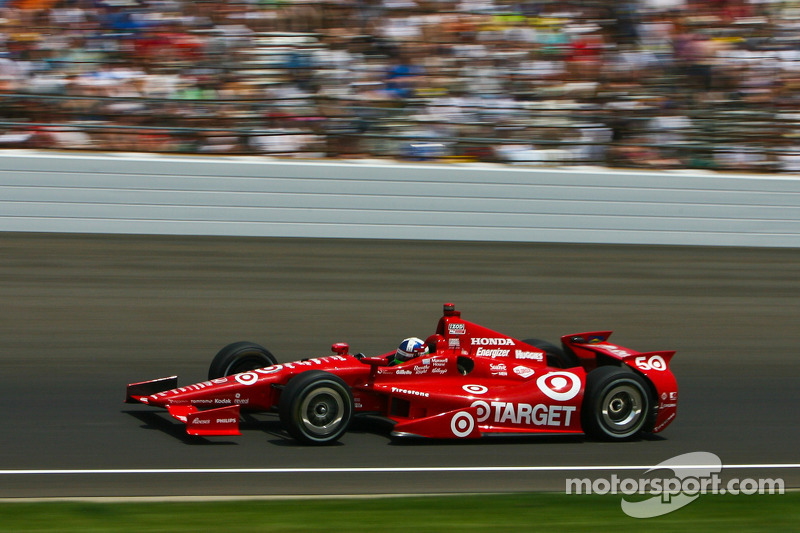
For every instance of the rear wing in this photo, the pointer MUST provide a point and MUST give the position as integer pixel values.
(588, 346)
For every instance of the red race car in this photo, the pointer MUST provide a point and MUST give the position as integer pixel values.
(464, 381)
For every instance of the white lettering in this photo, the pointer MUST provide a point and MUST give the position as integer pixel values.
(411, 392)
(524, 413)
(491, 352)
(655, 362)
(536, 356)
(485, 341)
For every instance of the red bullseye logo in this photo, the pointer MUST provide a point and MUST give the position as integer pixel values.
(559, 386)
(475, 389)
(462, 424)
(248, 378)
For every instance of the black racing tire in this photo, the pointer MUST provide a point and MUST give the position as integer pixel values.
(556, 356)
(316, 407)
(239, 357)
(616, 403)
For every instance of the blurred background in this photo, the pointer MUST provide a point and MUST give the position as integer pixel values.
(659, 84)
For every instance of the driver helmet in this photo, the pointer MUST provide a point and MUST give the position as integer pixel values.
(409, 349)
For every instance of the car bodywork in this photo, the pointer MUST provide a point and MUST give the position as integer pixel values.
(474, 382)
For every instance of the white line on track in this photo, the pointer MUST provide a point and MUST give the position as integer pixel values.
(383, 470)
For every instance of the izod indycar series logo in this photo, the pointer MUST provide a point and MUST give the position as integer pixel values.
(457, 329)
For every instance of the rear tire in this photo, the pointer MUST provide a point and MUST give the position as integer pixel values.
(556, 356)
(316, 407)
(239, 357)
(616, 403)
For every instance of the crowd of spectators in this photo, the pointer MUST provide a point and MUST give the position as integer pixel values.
(648, 83)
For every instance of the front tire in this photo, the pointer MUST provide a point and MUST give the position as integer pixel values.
(239, 357)
(616, 403)
(316, 407)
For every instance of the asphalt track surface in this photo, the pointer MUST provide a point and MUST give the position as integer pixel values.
(83, 315)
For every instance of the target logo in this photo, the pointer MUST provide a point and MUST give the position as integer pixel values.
(475, 389)
(462, 424)
(559, 386)
(247, 378)
(270, 369)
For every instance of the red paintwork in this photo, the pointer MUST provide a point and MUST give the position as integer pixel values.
(509, 390)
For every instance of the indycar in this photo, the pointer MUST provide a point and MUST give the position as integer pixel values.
(472, 382)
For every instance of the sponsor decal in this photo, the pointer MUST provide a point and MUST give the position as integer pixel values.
(246, 378)
(225, 401)
(403, 372)
(200, 421)
(421, 369)
(242, 402)
(616, 350)
(453, 342)
(522, 354)
(270, 369)
(655, 362)
(498, 369)
(523, 371)
(226, 420)
(559, 386)
(439, 371)
(456, 329)
(440, 362)
(201, 401)
(411, 392)
(486, 341)
(663, 424)
(524, 413)
(491, 352)
(475, 389)
(462, 424)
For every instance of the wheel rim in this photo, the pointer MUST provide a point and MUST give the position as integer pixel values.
(322, 412)
(622, 408)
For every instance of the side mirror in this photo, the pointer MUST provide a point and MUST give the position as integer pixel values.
(340, 348)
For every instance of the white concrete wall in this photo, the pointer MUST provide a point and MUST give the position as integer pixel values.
(145, 194)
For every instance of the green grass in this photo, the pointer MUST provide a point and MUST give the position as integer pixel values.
(463, 514)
